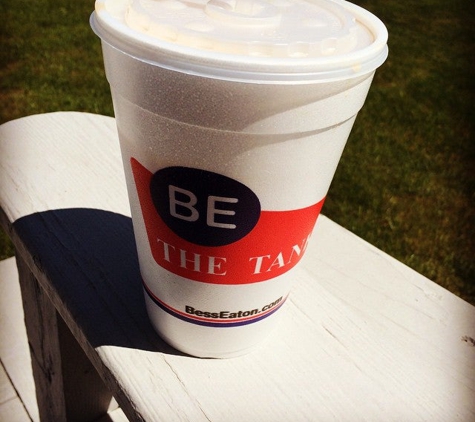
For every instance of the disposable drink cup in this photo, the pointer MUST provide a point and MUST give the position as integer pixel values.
(232, 116)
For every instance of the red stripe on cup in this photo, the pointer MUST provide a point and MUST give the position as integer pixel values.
(274, 246)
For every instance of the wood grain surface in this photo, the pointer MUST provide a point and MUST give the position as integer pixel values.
(363, 337)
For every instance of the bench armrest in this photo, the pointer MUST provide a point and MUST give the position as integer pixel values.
(363, 337)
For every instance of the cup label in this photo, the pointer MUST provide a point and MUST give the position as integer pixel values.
(210, 228)
(202, 207)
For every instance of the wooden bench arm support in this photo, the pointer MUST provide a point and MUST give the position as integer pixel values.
(363, 336)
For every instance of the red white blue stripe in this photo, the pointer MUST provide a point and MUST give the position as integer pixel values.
(212, 322)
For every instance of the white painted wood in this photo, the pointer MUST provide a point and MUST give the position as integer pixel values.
(17, 388)
(364, 337)
(14, 352)
(116, 415)
(42, 330)
(11, 407)
(7, 392)
(12, 410)
(41, 151)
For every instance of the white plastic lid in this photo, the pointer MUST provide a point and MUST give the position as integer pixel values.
(253, 40)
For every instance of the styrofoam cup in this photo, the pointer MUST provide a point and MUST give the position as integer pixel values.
(232, 117)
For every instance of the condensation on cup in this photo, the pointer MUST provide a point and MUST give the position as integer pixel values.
(232, 116)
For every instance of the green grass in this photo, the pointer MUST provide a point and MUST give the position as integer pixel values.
(406, 181)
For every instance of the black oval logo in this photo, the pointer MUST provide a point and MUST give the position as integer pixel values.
(203, 207)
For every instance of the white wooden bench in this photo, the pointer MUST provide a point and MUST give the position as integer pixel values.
(364, 338)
